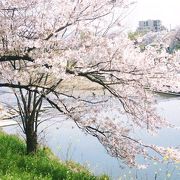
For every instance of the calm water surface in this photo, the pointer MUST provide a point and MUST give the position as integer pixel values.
(70, 143)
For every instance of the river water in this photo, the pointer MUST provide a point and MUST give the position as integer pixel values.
(70, 143)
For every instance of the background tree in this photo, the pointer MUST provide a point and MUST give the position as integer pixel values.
(44, 44)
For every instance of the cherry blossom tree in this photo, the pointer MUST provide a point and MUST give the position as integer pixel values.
(68, 53)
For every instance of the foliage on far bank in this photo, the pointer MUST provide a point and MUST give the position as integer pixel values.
(134, 35)
(15, 164)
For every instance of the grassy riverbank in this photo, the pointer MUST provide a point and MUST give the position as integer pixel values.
(14, 164)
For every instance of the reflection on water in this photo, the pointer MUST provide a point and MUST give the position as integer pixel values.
(68, 142)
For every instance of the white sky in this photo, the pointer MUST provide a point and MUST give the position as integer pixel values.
(168, 11)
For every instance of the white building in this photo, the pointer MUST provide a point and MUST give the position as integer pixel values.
(150, 25)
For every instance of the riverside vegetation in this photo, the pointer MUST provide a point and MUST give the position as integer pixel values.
(15, 164)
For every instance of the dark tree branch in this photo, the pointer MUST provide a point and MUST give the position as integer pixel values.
(58, 30)
(15, 58)
(28, 88)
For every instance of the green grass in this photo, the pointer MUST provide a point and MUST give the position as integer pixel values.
(15, 165)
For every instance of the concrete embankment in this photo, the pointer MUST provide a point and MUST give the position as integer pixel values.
(4, 123)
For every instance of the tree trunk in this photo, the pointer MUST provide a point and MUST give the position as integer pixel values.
(31, 138)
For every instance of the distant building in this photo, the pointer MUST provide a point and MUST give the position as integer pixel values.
(150, 25)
